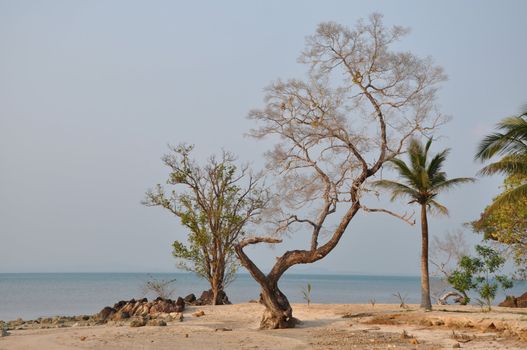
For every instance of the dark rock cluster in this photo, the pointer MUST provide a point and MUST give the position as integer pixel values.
(141, 308)
(512, 301)
(206, 298)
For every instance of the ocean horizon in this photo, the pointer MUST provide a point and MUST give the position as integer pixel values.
(33, 295)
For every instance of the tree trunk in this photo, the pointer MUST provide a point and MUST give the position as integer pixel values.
(215, 293)
(278, 312)
(425, 283)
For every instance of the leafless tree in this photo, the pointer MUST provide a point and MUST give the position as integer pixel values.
(447, 251)
(357, 108)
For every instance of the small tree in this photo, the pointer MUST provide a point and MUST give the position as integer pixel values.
(360, 104)
(214, 202)
(481, 273)
(159, 287)
(306, 293)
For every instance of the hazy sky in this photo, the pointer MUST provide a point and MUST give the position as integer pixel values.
(91, 92)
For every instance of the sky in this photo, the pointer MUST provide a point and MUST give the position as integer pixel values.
(91, 93)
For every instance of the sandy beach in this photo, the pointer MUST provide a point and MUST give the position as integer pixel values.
(324, 326)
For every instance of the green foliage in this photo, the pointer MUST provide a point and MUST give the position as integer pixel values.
(423, 178)
(481, 274)
(214, 202)
(306, 292)
(510, 142)
(507, 224)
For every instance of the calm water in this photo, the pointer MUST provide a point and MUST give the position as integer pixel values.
(31, 295)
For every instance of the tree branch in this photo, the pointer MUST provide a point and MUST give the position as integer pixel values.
(405, 217)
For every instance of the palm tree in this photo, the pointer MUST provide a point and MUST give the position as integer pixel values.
(510, 143)
(422, 181)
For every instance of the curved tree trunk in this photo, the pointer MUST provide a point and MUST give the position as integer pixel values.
(425, 283)
(457, 297)
(278, 312)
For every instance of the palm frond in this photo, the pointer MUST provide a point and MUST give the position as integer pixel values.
(406, 173)
(397, 189)
(451, 183)
(437, 162)
(512, 139)
(437, 208)
(416, 154)
(508, 165)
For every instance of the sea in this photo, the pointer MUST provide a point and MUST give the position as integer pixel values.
(33, 295)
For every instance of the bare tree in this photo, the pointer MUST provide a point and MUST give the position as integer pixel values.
(357, 108)
(446, 252)
(214, 202)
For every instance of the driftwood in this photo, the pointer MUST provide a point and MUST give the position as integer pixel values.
(443, 300)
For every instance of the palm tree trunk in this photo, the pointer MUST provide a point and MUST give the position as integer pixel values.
(425, 283)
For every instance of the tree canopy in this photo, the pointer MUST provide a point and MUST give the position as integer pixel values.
(214, 202)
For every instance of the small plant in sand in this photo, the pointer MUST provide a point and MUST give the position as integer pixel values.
(373, 302)
(159, 287)
(306, 292)
(482, 274)
(402, 300)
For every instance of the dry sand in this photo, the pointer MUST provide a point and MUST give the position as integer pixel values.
(323, 327)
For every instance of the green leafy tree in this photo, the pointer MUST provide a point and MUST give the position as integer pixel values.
(507, 224)
(423, 180)
(214, 202)
(480, 273)
(509, 142)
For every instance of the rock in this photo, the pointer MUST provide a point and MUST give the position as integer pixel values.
(83, 338)
(106, 313)
(167, 306)
(456, 346)
(141, 308)
(414, 341)
(120, 316)
(138, 322)
(206, 298)
(189, 299)
(119, 304)
(180, 304)
(176, 316)
(512, 301)
(199, 313)
(157, 323)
